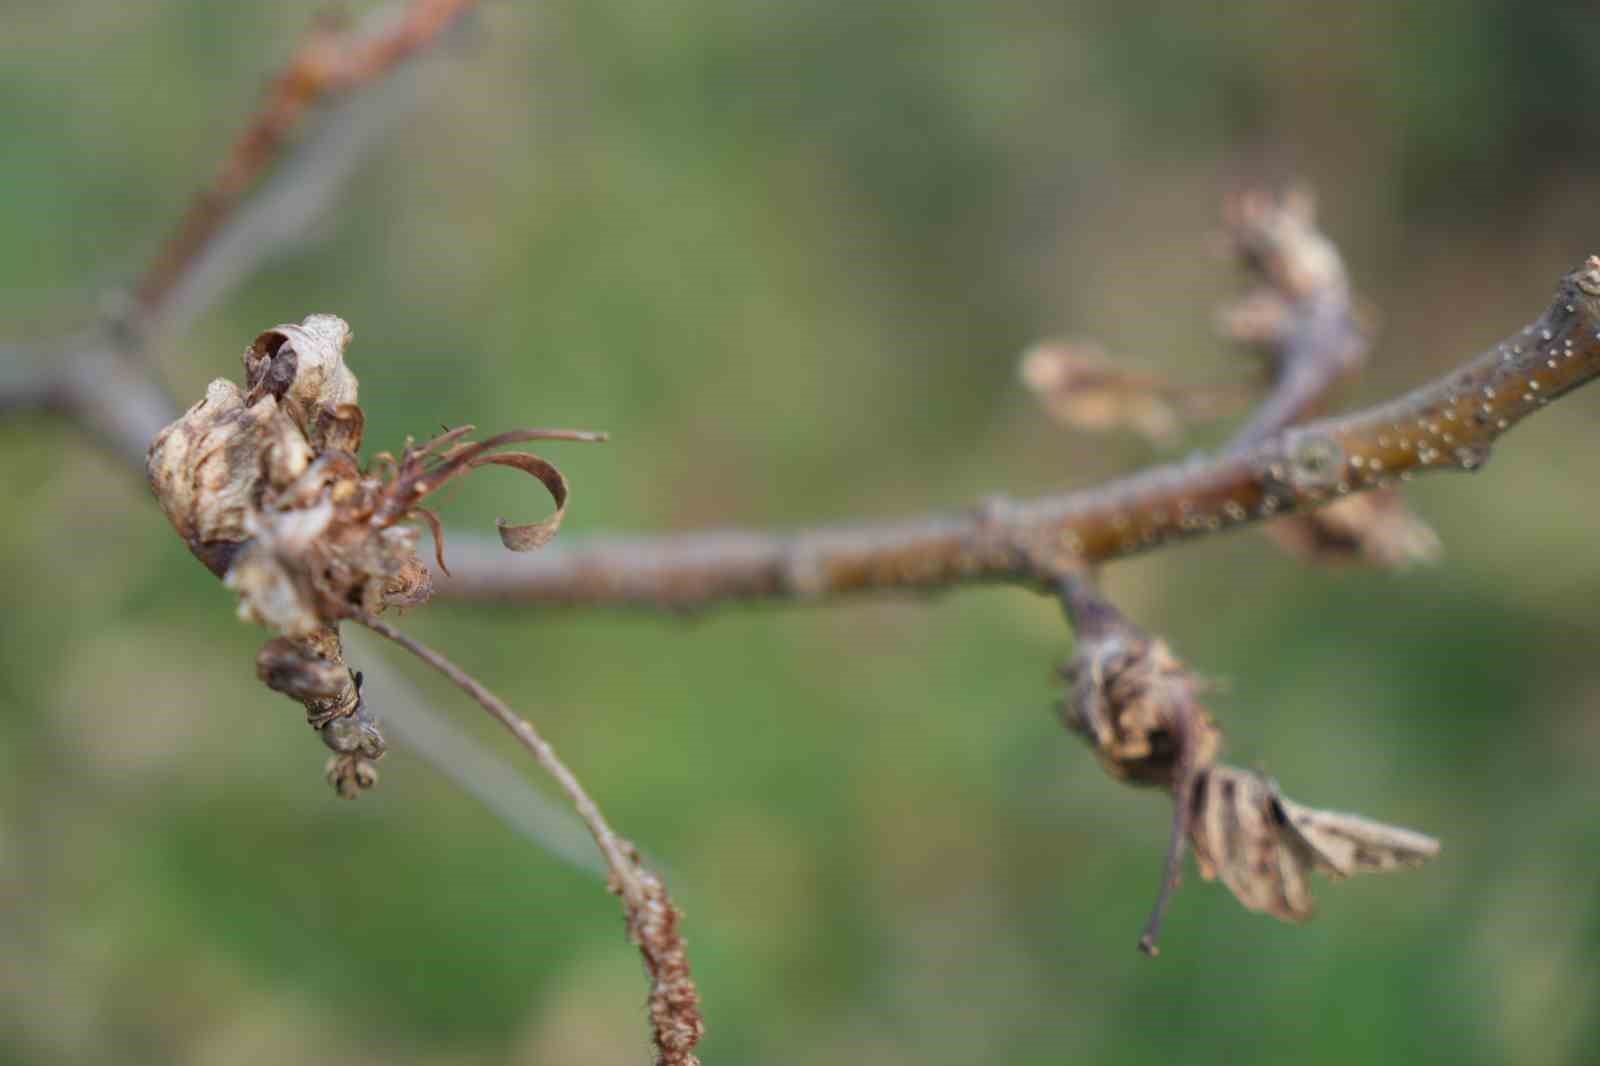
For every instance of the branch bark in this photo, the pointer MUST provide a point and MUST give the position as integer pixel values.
(1449, 424)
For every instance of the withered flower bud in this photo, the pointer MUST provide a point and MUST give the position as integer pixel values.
(350, 775)
(1137, 706)
(264, 486)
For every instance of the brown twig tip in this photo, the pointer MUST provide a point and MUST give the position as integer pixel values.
(1589, 278)
(675, 1017)
(1277, 236)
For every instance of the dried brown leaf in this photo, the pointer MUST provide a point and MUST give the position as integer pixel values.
(1081, 387)
(1374, 527)
(533, 535)
(1264, 846)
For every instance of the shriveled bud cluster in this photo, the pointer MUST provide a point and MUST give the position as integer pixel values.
(264, 486)
(1137, 706)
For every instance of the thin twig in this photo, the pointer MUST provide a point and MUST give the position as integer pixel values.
(1301, 313)
(409, 717)
(96, 378)
(1177, 843)
(614, 849)
(652, 918)
(329, 63)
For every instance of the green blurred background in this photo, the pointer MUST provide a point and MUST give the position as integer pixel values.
(787, 254)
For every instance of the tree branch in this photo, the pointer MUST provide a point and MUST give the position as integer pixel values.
(96, 378)
(1301, 313)
(331, 63)
(1448, 424)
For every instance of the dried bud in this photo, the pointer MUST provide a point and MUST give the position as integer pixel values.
(314, 673)
(206, 468)
(1137, 707)
(1277, 235)
(350, 775)
(357, 732)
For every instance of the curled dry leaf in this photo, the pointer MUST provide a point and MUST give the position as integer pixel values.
(1264, 846)
(1081, 387)
(263, 485)
(1374, 527)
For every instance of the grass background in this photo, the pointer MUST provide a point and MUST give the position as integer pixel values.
(787, 254)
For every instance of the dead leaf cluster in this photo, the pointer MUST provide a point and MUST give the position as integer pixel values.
(1137, 706)
(265, 486)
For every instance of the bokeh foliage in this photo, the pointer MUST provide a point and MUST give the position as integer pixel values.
(787, 254)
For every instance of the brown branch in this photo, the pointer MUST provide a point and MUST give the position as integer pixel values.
(1448, 424)
(95, 378)
(652, 919)
(1301, 313)
(121, 403)
(330, 62)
